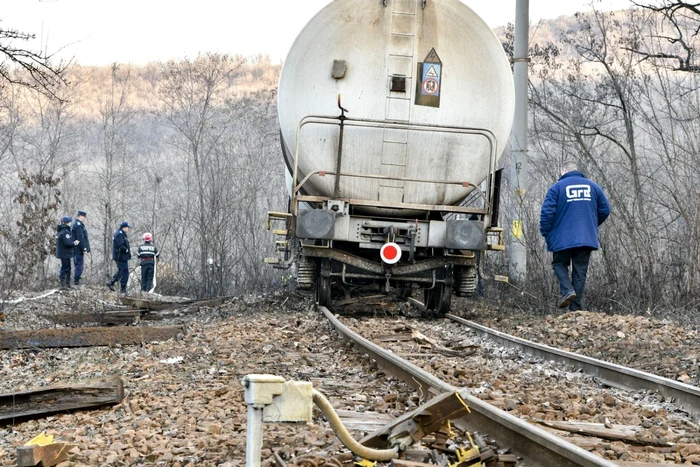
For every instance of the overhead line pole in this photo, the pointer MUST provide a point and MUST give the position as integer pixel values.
(518, 179)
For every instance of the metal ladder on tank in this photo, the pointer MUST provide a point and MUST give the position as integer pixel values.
(400, 62)
(282, 243)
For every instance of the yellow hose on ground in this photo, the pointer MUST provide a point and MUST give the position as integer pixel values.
(342, 433)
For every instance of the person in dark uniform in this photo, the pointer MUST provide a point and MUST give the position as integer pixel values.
(572, 211)
(121, 254)
(64, 250)
(83, 246)
(147, 253)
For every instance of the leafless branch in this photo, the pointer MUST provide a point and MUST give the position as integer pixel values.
(676, 12)
(36, 71)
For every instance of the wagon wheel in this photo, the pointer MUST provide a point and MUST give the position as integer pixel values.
(439, 298)
(323, 284)
(443, 305)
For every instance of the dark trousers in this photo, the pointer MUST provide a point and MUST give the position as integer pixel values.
(79, 260)
(578, 259)
(64, 274)
(146, 275)
(122, 274)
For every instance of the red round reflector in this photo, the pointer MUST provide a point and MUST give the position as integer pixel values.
(390, 253)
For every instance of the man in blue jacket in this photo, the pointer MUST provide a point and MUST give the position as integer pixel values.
(121, 254)
(64, 250)
(571, 213)
(83, 246)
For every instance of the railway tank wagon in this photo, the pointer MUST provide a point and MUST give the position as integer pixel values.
(393, 115)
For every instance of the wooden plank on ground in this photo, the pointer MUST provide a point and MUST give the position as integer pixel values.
(433, 414)
(48, 400)
(643, 464)
(112, 317)
(46, 456)
(363, 421)
(149, 304)
(625, 433)
(104, 318)
(86, 337)
(395, 338)
(212, 301)
(403, 463)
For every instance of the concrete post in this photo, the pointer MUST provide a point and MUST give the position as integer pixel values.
(259, 392)
(254, 440)
(518, 175)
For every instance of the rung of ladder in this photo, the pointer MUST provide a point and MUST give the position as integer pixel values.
(276, 216)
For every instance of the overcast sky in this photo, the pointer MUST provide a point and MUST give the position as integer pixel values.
(99, 32)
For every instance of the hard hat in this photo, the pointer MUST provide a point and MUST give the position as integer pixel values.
(147, 237)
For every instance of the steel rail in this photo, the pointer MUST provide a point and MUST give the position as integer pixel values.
(685, 395)
(535, 445)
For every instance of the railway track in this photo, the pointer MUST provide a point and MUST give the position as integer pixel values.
(629, 379)
(535, 446)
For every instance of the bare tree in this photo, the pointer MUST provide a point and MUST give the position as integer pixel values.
(37, 144)
(116, 115)
(259, 186)
(193, 94)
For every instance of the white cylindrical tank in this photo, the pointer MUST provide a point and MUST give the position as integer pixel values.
(432, 62)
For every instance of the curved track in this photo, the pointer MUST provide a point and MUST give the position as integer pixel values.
(686, 396)
(534, 445)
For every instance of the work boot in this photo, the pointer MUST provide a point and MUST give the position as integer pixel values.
(568, 298)
(110, 284)
(63, 284)
(68, 282)
(122, 291)
(76, 282)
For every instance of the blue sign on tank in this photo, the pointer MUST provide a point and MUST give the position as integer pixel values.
(431, 79)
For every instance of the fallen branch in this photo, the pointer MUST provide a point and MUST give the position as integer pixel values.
(425, 340)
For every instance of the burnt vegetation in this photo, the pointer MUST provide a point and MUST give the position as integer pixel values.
(189, 151)
(186, 150)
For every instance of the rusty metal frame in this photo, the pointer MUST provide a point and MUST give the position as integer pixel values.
(422, 207)
(378, 268)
